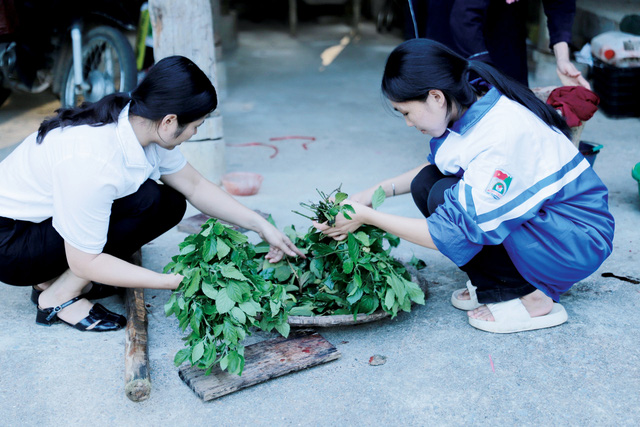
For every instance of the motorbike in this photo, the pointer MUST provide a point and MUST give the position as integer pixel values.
(77, 49)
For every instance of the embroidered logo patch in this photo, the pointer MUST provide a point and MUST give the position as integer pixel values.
(499, 184)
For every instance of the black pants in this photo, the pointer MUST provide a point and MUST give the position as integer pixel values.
(491, 270)
(32, 253)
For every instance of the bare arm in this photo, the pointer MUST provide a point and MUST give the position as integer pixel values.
(402, 184)
(414, 230)
(214, 201)
(108, 269)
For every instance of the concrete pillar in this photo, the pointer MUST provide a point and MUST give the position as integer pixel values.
(187, 29)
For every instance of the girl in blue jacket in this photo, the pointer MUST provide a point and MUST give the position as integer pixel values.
(506, 195)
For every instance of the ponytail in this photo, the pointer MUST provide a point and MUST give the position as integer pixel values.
(516, 91)
(99, 113)
(417, 66)
(173, 85)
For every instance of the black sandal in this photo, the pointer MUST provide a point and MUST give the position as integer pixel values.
(103, 319)
(97, 291)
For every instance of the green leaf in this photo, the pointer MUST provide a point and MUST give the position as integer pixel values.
(354, 248)
(282, 273)
(198, 351)
(301, 311)
(208, 250)
(355, 297)
(347, 267)
(317, 267)
(340, 197)
(181, 356)
(322, 249)
(238, 314)
(195, 324)
(398, 287)
(224, 362)
(415, 293)
(250, 307)
(224, 304)
(236, 236)
(363, 238)
(188, 249)
(236, 363)
(194, 285)
(170, 305)
(417, 263)
(209, 290)
(222, 248)
(368, 304)
(234, 291)
(328, 282)
(389, 299)
(230, 272)
(283, 328)
(378, 198)
(206, 229)
(218, 228)
(275, 307)
(347, 208)
(229, 332)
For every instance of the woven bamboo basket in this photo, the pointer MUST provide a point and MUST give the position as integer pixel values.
(348, 319)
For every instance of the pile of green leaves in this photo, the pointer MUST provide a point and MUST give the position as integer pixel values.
(229, 287)
(222, 296)
(356, 275)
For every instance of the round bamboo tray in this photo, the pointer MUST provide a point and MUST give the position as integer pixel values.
(347, 319)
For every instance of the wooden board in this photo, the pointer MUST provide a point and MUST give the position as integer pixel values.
(263, 361)
(193, 224)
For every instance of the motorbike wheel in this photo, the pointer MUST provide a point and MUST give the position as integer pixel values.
(108, 66)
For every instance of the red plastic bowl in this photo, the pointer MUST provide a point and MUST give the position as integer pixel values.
(242, 183)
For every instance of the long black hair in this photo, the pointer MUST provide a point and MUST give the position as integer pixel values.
(174, 85)
(417, 66)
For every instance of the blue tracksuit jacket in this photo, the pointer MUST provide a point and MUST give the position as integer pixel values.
(523, 185)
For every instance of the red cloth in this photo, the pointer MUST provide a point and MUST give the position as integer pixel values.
(576, 103)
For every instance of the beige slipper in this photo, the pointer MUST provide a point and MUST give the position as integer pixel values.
(512, 316)
(466, 304)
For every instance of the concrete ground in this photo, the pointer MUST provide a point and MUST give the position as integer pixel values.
(439, 370)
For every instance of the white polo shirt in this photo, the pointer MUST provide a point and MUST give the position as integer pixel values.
(75, 175)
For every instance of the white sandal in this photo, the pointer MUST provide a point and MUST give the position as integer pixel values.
(466, 304)
(512, 316)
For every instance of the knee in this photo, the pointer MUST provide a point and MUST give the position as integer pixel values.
(174, 204)
(421, 188)
(159, 200)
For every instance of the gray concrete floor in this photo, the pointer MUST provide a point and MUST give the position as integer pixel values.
(439, 370)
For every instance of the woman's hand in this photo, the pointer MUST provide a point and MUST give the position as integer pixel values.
(567, 72)
(280, 244)
(175, 280)
(343, 226)
(364, 197)
(570, 75)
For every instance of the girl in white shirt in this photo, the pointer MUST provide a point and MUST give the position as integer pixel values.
(80, 196)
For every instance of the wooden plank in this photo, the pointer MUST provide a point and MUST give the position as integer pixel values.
(136, 360)
(263, 361)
